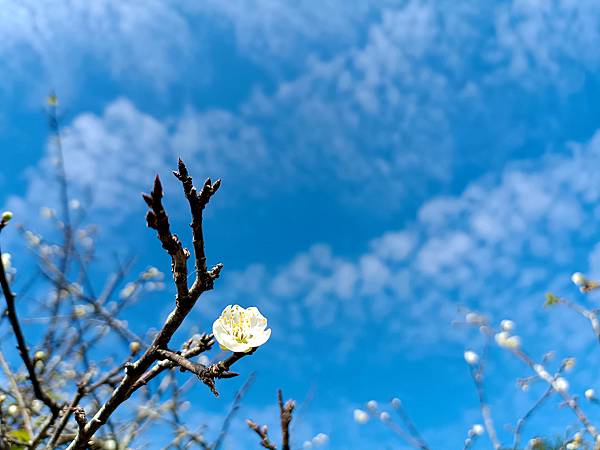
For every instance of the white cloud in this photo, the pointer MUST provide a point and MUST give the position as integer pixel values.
(499, 247)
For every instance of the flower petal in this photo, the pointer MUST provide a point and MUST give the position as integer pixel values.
(260, 338)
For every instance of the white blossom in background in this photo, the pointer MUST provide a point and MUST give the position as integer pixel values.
(320, 439)
(384, 416)
(569, 363)
(240, 330)
(475, 318)
(560, 384)
(504, 339)
(471, 357)
(109, 444)
(477, 429)
(372, 405)
(507, 325)
(396, 403)
(578, 279)
(361, 417)
(589, 394)
(6, 261)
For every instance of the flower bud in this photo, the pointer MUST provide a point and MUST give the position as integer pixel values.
(361, 417)
(589, 394)
(477, 429)
(578, 279)
(471, 357)
(134, 347)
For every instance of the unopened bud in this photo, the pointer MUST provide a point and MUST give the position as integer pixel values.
(134, 347)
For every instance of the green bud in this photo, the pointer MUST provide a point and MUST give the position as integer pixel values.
(6, 216)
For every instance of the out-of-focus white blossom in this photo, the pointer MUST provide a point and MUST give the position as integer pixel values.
(32, 239)
(477, 429)
(74, 204)
(81, 310)
(240, 330)
(384, 416)
(109, 444)
(134, 347)
(507, 325)
(396, 403)
(474, 318)
(152, 272)
(471, 357)
(128, 290)
(13, 410)
(320, 439)
(542, 373)
(569, 363)
(361, 417)
(307, 445)
(504, 339)
(40, 355)
(578, 279)
(560, 384)
(589, 394)
(6, 261)
(7, 216)
(372, 405)
(46, 213)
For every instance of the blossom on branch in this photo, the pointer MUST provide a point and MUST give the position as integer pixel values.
(240, 330)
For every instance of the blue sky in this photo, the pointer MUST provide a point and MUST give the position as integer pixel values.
(384, 165)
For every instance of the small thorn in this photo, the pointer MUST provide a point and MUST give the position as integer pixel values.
(157, 191)
(148, 199)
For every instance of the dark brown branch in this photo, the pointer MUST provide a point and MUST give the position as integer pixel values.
(285, 416)
(209, 374)
(285, 413)
(198, 202)
(262, 433)
(158, 220)
(135, 374)
(11, 312)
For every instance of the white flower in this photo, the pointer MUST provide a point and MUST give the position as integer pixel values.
(6, 216)
(109, 444)
(361, 417)
(569, 363)
(501, 338)
(578, 279)
(6, 261)
(241, 330)
(504, 339)
(320, 439)
(589, 394)
(560, 384)
(513, 342)
(477, 429)
(507, 325)
(307, 445)
(372, 405)
(396, 403)
(474, 318)
(13, 410)
(384, 416)
(471, 357)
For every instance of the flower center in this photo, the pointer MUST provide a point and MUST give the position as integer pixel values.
(239, 326)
